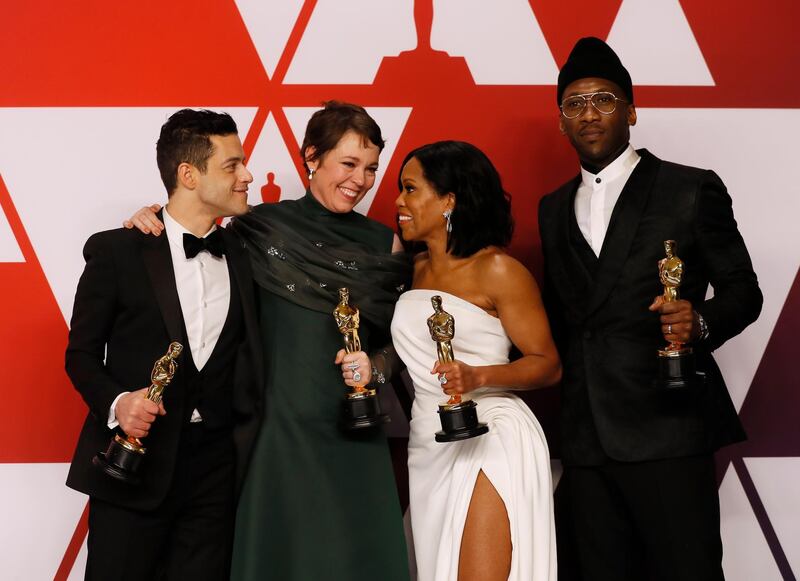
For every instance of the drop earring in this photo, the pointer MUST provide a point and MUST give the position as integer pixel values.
(447, 213)
(310, 174)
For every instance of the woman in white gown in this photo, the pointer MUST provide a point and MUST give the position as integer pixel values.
(481, 508)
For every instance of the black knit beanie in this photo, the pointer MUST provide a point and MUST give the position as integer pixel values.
(591, 57)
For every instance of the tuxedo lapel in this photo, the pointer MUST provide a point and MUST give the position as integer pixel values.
(622, 228)
(158, 262)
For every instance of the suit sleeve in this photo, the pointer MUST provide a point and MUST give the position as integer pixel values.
(737, 297)
(93, 318)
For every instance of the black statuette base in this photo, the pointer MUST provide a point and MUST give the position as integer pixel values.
(460, 422)
(120, 463)
(362, 411)
(676, 371)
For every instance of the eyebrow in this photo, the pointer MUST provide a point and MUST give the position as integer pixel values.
(234, 158)
(602, 89)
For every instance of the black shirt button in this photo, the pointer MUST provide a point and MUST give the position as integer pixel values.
(597, 180)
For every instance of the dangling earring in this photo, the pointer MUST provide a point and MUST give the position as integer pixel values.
(310, 174)
(447, 213)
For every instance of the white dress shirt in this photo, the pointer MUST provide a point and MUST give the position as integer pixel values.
(204, 292)
(598, 194)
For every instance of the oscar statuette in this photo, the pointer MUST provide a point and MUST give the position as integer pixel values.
(123, 457)
(361, 407)
(675, 361)
(459, 417)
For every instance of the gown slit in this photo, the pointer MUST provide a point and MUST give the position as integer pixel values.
(469, 503)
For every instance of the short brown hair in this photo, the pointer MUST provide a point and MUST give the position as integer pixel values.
(327, 126)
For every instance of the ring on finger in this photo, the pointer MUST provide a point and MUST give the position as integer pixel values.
(353, 366)
(443, 378)
(669, 329)
(356, 376)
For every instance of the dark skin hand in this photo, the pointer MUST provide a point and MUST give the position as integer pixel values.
(685, 327)
(461, 378)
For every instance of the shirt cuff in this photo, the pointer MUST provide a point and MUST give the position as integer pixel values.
(112, 412)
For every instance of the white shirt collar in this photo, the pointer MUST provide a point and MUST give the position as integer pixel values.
(624, 163)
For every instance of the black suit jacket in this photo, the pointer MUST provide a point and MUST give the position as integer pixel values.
(607, 337)
(126, 313)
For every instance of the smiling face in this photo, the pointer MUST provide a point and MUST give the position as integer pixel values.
(222, 188)
(344, 175)
(420, 208)
(598, 138)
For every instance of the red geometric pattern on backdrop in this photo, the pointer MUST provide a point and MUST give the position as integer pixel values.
(179, 53)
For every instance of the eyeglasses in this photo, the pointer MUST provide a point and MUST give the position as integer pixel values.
(603, 101)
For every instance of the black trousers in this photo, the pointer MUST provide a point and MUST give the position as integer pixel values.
(656, 520)
(189, 536)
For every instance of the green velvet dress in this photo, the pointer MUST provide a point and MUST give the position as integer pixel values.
(317, 504)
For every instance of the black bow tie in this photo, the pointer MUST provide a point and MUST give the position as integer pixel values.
(192, 245)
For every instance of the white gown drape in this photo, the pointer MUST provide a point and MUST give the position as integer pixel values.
(513, 455)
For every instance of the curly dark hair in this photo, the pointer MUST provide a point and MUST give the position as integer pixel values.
(482, 213)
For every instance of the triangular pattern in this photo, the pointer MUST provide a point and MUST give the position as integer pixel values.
(33, 336)
(392, 121)
(38, 511)
(269, 25)
(271, 155)
(776, 480)
(657, 45)
(759, 198)
(126, 53)
(346, 40)
(500, 40)
(118, 145)
(79, 567)
(769, 412)
(9, 249)
(562, 24)
(143, 43)
(740, 528)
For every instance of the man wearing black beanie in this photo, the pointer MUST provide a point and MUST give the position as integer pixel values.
(639, 485)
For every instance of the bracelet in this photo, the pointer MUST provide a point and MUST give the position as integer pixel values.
(378, 376)
(703, 326)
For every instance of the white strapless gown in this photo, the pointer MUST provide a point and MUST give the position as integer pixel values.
(513, 455)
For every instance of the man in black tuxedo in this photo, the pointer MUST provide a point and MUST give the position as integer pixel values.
(639, 483)
(137, 294)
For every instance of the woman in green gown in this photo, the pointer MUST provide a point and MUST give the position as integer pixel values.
(319, 502)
